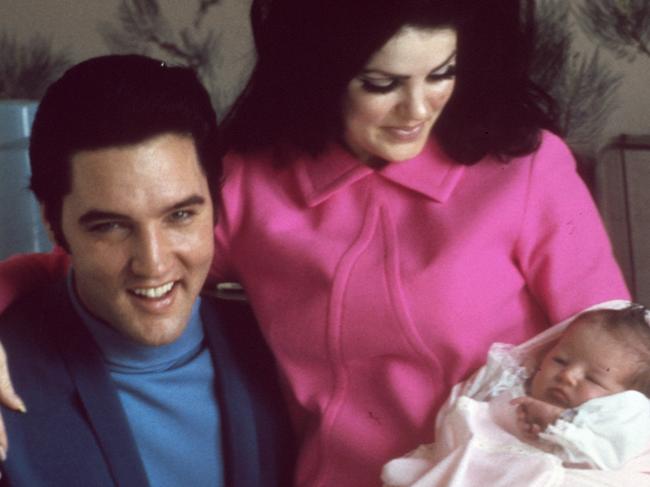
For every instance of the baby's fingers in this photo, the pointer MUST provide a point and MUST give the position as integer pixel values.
(529, 430)
(520, 401)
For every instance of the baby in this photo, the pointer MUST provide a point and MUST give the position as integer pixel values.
(601, 353)
(583, 405)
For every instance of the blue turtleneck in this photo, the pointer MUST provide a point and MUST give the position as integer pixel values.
(169, 399)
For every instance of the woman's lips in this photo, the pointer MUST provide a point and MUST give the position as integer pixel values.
(406, 133)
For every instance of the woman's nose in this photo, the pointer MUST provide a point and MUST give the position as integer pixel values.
(416, 104)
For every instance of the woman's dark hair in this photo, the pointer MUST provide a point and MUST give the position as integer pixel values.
(308, 51)
(113, 101)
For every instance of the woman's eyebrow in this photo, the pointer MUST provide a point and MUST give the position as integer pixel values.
(406, 76)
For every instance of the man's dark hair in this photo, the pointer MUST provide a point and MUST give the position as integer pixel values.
(113, 101)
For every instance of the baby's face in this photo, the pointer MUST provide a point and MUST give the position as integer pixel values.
(587, 362)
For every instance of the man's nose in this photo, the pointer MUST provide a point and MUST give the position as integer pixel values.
(150, 256)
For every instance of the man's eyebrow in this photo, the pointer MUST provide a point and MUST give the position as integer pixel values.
(194, 200)
(92, 216)
(404, 76)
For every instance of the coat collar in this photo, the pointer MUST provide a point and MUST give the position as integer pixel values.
(97, 394)
(431, 174)
(241, 405)
(238, 421)
(100, 401)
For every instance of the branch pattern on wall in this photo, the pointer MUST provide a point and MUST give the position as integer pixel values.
(27, 69)
(622, 26)
(583, 86)
(142, 27)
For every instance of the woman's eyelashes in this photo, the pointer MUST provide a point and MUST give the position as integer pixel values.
(448, 73)
(379, 85)
(388, 84)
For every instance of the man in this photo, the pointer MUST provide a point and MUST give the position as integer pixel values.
(129, 376)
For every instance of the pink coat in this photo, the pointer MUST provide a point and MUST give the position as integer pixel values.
(379, 290)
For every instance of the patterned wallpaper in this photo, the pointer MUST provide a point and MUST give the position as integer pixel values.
(589, 56)
(592, 55)
(210, 35)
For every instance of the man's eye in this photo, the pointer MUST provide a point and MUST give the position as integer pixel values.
(181, 215)
(105, 227)
(559, 360)
(378, 85)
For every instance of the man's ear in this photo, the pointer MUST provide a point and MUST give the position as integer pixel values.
(56, 237)
(46, 224)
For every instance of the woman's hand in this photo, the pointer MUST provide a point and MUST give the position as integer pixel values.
(533, 415)
(9, 398)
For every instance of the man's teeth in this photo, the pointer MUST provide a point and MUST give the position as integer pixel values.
(154, 292)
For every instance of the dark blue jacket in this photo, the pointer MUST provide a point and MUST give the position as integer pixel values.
(76, 433)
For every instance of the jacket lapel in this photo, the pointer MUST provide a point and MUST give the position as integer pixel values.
(236, 405)
(98, 396)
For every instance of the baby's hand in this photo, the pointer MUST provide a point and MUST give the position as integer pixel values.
(533, 415)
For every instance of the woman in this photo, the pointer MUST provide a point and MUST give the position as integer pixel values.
(392, 208)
